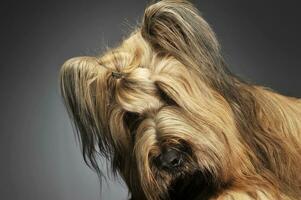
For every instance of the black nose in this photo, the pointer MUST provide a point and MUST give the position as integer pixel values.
(170, 159)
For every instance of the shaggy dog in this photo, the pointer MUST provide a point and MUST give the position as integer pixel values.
(163, 108)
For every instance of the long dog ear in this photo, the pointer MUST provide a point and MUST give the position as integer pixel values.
(76, 80)
(177, 28)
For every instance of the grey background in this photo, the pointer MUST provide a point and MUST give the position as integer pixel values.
(40, 159)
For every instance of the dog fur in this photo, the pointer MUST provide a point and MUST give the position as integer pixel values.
(167, 86)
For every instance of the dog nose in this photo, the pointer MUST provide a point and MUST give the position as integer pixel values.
(170, 159)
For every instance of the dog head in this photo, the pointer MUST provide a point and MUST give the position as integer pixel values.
(159, 106)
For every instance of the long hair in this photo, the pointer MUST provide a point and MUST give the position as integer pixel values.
(174, 58)
(262, 117)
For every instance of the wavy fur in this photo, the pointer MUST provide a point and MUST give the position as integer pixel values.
(173, 90)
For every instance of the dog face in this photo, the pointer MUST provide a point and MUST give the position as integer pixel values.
(163, 108)
(158, 122)
(170, 123)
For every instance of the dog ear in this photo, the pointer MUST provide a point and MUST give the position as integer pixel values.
(77, 84)
(176, 27)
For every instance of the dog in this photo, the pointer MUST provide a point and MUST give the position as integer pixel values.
(175, 123)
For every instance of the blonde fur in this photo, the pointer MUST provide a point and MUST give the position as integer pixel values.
(174, 89)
